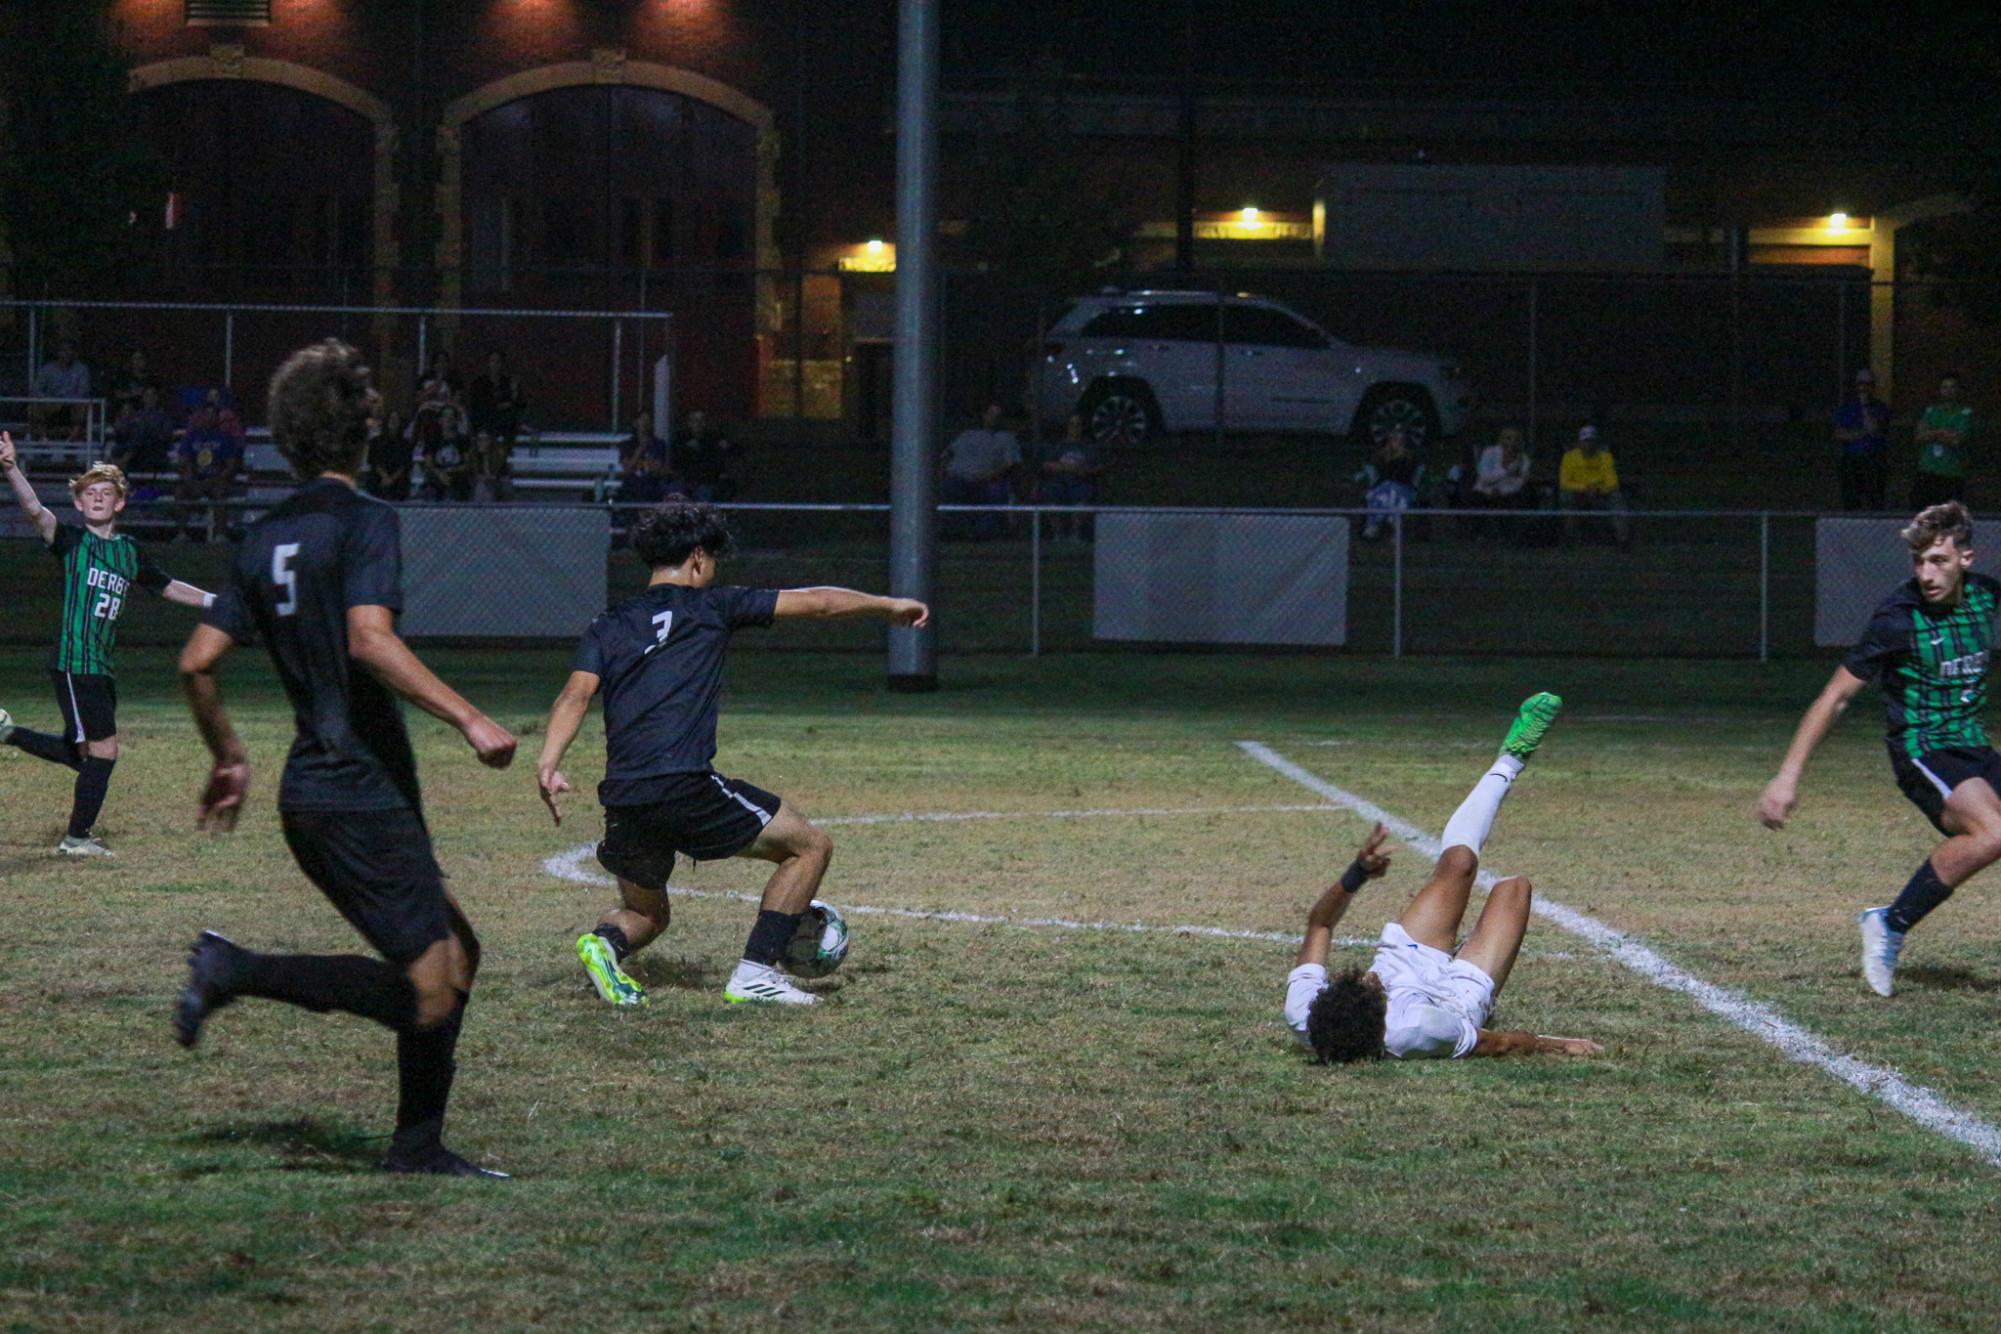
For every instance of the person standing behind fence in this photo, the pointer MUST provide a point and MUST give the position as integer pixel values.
(494, 403)
(1862, 429)
(390, 458)
(702, 457)
(978, 468)
(447, 455)
(1589, 480)
(61, 376)
(1941, 436)
(210, 457)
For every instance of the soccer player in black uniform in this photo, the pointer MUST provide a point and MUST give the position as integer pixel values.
(1928, 645)
(318, 579)
(659, 659)
(100, 565)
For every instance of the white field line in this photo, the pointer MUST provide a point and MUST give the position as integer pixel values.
(954, 817)
(1758, 1019)
(570, 866)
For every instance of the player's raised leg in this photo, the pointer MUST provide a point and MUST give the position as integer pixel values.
(1497, 936)
(639, 919)
(802, 852)
(1972, 820)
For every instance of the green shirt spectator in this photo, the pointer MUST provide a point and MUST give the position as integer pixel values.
(1942, 432)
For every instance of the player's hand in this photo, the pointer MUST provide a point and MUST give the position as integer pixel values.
(910, 612)
(553, 785)
(1370, 856)
(1575, 1046)
(1776, 806)
(222, 799)
(6, 451)
(493, 743)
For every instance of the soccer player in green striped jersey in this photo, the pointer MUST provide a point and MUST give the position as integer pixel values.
(100, 566)
(1928, 645)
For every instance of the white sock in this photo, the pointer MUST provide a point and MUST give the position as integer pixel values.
(1470, 824)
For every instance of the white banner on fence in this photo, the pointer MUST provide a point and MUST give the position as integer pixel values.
(526, 572)
(1222, 578)
(1858, 563)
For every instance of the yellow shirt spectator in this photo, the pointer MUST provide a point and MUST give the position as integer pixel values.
(1588, 472)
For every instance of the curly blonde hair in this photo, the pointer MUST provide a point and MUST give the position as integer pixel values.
(100, 472)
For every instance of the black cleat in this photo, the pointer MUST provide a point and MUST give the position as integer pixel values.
(210, 964)
(437, 1161)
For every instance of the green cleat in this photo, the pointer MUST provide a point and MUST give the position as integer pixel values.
(605, 974)
(1538, 712)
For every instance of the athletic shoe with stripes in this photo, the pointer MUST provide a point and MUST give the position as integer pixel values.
(600, 962)
(759, 983)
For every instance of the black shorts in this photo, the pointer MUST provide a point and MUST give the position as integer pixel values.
(90, 706)
(376, 867)
(704, 816)
(1930, 778)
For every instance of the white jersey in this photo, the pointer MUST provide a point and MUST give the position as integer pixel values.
(1437, 1002)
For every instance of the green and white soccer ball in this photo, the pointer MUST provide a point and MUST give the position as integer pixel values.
(820, 943)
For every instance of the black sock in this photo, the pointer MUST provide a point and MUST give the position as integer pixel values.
(347, 982)
(1925, 892)
(620, 946)
(93, 780)
(44, 746)
(768, 939)
(424, 1067)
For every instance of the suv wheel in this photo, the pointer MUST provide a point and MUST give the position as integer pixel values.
(1119, 412)
(1397, 405)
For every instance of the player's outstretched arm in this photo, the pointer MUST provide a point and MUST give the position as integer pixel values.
(1521, 1042)
(834, 602)
(565, 717)
(229, 774)
(1369, 864)
(186, 594)
(1781, 795)
(373, 642)
(24, 490)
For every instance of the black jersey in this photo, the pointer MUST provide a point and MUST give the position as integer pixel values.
(1932, 662)
(300, 568)
(98, 574)
(660, 658)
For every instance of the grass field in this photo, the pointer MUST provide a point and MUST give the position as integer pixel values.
(997, 1124)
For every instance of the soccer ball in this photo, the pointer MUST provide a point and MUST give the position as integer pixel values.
(820, 943)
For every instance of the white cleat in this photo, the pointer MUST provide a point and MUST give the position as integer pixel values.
(87, 846)
(1880, 948)
(759, 983)
(6, 726)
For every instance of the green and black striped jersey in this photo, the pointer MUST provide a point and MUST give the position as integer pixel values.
(98, 574)
(1932, 662)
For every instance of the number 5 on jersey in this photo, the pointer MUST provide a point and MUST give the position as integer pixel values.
(285, 577)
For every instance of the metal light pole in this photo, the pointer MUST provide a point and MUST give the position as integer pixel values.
(913, 515)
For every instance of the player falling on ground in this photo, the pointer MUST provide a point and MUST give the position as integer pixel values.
(100, 565)
(318, 580)
(1928, 645)
(659, 659)
(1421, 997)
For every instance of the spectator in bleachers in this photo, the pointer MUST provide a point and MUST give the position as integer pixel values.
(390, 456)
(132, 383)
(492, 467)
(447, 462)
(704, 460)
(1392, 481)
(210, 458)
(61, 376)
(644, 444)
(1589, 480)
(494, 402)
(1862, 429)
(1068, 475)
(440, 386)
(1500, 482)
(144, 440)
(1941, 436)
(978, 468)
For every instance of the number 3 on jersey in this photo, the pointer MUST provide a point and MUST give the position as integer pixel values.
(285, 577)
(663, 623)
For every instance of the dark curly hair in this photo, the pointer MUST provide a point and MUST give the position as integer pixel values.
(1346, 1021)
(322, 400)
(669, 533)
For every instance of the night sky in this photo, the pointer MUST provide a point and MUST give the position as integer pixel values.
(1753, 48)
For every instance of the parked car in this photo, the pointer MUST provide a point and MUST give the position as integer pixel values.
(1136, 365)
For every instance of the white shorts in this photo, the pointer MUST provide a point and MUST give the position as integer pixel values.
(1405, 966)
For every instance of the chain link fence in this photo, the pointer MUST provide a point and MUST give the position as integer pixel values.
(1036, 580)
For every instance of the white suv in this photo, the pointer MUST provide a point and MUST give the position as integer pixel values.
(1140, 364)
